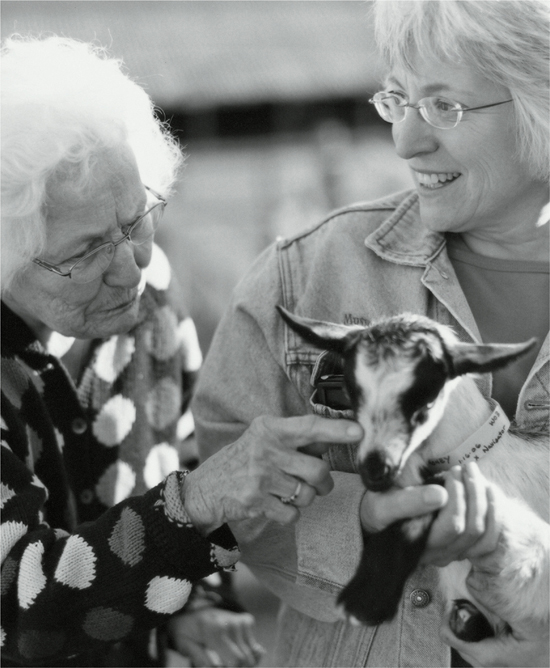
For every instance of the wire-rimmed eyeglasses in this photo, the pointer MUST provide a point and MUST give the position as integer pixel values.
(439, 112)
(96, 262)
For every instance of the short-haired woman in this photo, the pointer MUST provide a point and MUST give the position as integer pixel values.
(467, 93)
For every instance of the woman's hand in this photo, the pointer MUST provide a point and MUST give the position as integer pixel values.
(271, 461)
(215, 637)
(463, 521)
(466, 526)
(380, 509)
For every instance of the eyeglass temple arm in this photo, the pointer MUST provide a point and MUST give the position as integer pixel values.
(486, 106)
(155, 193)
(50, 267)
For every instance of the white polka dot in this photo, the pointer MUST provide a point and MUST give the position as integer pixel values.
(158, 272)
(115, 420)
(161, 460)
(59, 345)
(2, 637)
(189, 341)
(61, 533)
(167, 595)
(6, 493)
(31, 579)
(76, 568)
(113, 356)
(4, 444)
(185, 426)
(10, 534)
(3, 424)
(116, 484)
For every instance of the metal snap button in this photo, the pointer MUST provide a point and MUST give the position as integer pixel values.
(419, 598)
(79, 425)
(87, 496)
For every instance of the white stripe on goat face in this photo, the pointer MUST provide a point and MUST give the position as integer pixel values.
(382, 385)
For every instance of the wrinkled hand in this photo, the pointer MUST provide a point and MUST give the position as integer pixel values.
(248, 478)
(215, 637)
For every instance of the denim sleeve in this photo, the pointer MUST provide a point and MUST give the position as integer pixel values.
(244, 376)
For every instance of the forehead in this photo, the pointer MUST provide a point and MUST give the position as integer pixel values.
(113, 197)
(384, 381)
(431, 75)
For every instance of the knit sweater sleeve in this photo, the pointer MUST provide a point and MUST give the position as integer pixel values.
(63, 593)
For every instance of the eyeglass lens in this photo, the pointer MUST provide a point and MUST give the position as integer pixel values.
(438, 112)
(95, 263)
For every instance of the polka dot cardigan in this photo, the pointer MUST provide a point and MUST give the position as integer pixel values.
(96, 544)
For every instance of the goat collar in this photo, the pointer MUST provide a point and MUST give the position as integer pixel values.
(477, 445)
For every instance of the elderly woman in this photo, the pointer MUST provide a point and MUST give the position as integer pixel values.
(468, 96)
(102, 535)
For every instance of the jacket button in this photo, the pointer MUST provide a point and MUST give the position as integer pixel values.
(87, 496)
(79, 425)
(419, 598)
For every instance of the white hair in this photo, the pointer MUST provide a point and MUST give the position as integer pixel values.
(506, 41)
(63, 102)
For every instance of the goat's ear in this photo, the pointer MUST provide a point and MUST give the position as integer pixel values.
(485, 357)
(327, 335)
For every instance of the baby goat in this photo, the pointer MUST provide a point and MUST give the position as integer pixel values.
(406, 378)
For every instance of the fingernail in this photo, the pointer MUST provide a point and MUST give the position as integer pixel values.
(433, 496)
(354, 430)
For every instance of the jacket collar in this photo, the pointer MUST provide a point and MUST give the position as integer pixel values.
(403, 239)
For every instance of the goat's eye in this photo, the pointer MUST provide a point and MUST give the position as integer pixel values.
(421, 415)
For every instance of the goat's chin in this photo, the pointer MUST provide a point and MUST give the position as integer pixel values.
(410, 474)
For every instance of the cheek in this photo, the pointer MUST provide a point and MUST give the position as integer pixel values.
(490, 158)
(56, 305)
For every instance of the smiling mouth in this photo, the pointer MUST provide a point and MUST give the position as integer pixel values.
(436, 179)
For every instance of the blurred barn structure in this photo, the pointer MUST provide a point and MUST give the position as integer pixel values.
(269, 100)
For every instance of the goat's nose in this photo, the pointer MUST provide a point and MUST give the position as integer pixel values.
(376, 472)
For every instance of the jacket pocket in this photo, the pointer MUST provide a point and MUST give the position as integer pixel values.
(328, 400)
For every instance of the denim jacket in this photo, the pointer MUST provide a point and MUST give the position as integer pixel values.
(362, 263)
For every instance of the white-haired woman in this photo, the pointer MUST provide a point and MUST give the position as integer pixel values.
(102, 535)
(467, 93)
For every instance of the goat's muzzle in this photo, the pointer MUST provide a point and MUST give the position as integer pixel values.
(377, 472)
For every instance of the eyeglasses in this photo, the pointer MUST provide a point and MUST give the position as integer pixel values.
(439, 112)
(94, 263)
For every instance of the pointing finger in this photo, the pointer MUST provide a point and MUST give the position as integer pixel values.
(306, 430)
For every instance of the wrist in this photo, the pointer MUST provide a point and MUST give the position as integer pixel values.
(197, 505)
